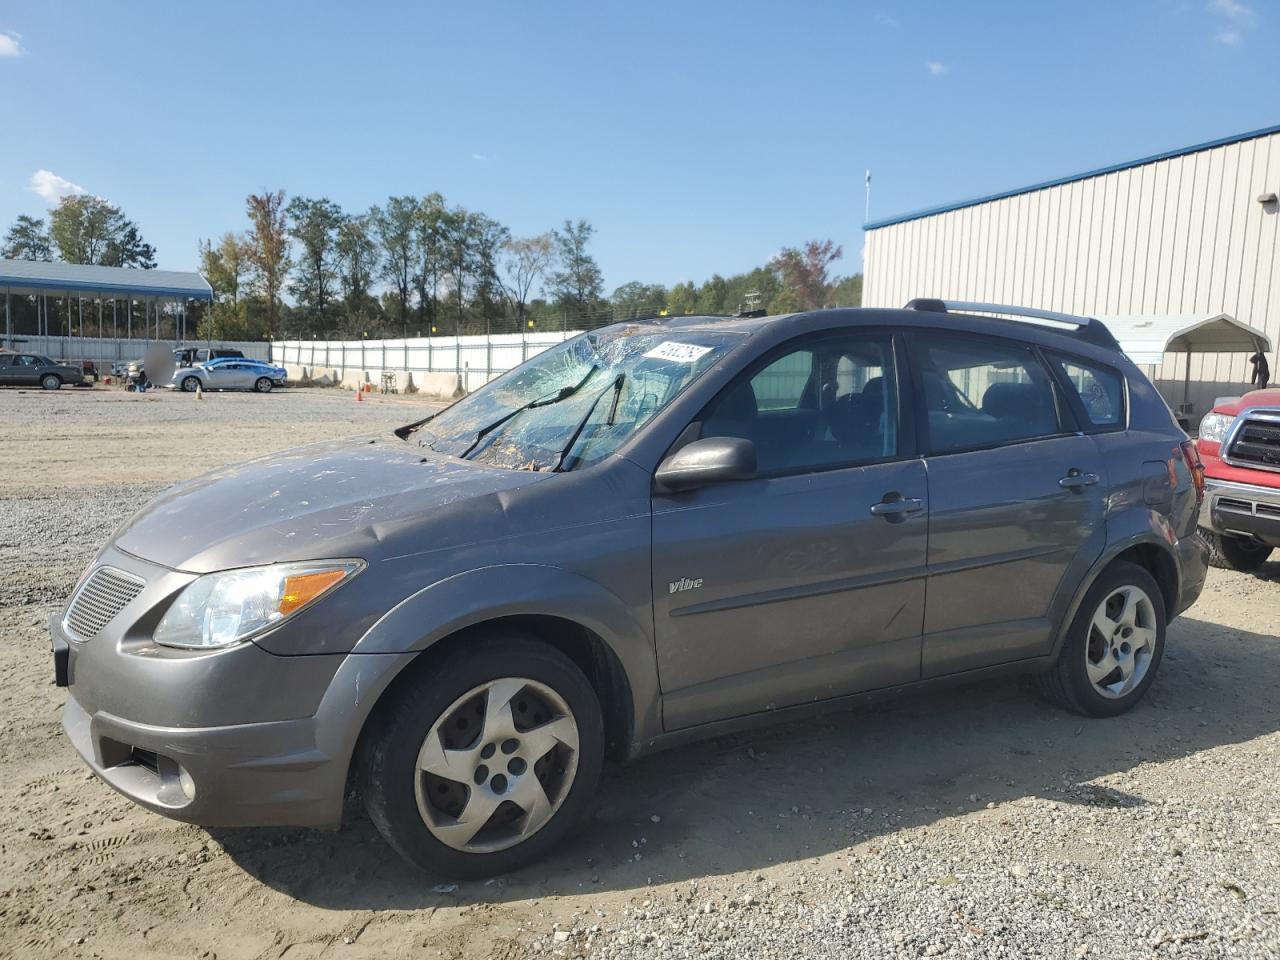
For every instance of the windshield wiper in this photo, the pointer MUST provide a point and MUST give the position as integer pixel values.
(562, 394)
(408, 428)
(616, 387)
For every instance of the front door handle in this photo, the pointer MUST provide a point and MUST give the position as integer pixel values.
(1075, 480)
(895, 508)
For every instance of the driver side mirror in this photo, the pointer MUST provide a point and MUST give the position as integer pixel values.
(707, 461)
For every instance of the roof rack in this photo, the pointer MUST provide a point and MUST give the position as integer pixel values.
(1086, 328)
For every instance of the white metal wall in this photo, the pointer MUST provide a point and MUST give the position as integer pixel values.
(1178, 236)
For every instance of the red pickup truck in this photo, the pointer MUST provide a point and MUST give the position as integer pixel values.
(1240, 446)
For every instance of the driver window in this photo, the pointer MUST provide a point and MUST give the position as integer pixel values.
(829, 402)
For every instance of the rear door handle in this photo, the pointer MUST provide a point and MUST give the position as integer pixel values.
(896, 508)
(1075, 480)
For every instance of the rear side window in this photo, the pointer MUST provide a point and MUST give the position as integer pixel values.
(1100, 389)
(981, 393)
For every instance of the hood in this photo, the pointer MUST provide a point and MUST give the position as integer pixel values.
(366, 498)
(1269, 398)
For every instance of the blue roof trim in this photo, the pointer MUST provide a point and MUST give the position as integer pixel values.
(126, 291)
(1101, 171)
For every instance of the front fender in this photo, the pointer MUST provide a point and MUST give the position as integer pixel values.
(506, 590)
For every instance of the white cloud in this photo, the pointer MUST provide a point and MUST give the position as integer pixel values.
(10, 45)
(1231, 38)
(935, 68)
(1233, 10)
(885, 20)
(51, 188)
(480, 158)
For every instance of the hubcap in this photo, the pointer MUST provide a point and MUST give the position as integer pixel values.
(497, 765)
(1122, 639)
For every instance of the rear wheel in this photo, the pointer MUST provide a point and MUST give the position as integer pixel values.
(51, 381)
(263, 385)
(485, 762)
(1237, 553)
(1113, 646)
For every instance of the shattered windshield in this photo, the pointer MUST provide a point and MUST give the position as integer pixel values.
(576, 402)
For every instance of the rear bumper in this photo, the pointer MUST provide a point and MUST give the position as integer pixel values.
(1244, 509)
(1193, 568)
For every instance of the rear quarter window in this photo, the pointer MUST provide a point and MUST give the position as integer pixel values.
(1099, 389)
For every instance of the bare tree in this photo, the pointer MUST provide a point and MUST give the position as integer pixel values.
(525, 260)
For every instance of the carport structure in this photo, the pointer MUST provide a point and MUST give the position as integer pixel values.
(154, 289)
(1146, 340)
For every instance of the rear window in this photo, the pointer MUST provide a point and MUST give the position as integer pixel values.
(1100, 390)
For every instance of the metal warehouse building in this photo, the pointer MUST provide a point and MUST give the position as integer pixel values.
(1191, 232)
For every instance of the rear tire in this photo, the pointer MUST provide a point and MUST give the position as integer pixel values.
(263, 385)
(1113, 647)
(1236, 553)
(522, 787)
(51, 381)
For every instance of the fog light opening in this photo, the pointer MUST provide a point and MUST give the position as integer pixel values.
(187, 783)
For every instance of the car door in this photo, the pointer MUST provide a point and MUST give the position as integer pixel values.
(1016, 498)
(6, 369)
(807, 582)
(26, 370)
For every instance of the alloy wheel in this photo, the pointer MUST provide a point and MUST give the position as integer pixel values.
(497, 765)
(1122, 639)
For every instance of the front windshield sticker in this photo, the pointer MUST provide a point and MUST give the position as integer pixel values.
(678, 352)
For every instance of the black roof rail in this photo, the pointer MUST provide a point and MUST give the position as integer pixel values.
(1086, 328)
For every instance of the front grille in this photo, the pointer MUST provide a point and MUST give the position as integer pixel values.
(1257, 443)
(101, 597)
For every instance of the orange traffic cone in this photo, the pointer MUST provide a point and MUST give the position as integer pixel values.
(359, 394)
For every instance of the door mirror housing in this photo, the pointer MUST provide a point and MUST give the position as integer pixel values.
(707, 461)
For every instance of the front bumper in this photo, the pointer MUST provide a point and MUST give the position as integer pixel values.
(1244, 509)
(237, 737)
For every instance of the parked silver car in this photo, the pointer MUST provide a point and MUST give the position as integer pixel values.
(654, 532)
(230, 373)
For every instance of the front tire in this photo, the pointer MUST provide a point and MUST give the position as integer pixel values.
(1113, 647)
(51, 381)
(486, 761)
(1236, 553)
(263, 385)
(189, 384)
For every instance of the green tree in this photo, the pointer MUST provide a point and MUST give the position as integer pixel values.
(224, 266)
(358, 262)
(395, 230)
(89, 230)
(488, 238)
(269, 251)
(577, 284)
(636, 300)
(846, 292)
(430, 238)
(683, 299)
(314, 225)
(27, 239)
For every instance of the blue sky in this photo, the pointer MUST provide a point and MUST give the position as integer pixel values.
(698, 137)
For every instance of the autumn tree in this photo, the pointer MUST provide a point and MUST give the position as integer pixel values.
(268, 250)
(804, 272)
(27, 239)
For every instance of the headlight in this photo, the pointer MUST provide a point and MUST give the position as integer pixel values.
(220, 609)
(1214, 426)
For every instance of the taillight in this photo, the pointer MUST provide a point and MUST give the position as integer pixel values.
(1191, 454)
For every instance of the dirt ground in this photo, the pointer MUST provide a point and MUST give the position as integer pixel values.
(85, 873)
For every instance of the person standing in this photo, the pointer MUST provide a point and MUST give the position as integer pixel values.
(1261, 375)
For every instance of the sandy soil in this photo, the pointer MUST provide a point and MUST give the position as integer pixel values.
(84, 873)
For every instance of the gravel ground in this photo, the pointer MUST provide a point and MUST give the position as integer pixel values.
(977, 822)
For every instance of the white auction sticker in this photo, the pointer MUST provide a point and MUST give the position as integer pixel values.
(679, 352)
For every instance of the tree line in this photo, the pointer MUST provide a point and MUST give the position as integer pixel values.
(302, 267)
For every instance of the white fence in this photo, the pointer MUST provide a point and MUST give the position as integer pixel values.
(469, 361)
(105, 351)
